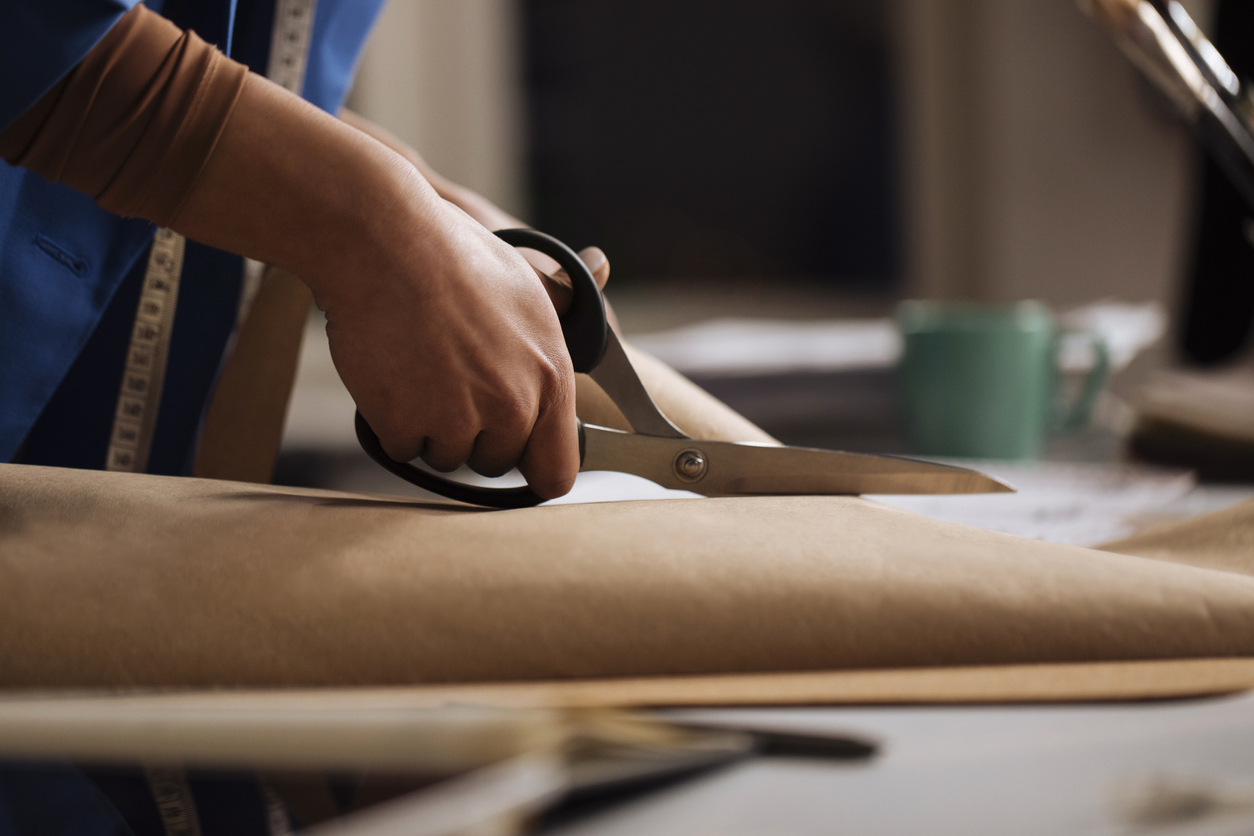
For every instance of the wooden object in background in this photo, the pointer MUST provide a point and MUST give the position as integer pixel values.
(244, 424)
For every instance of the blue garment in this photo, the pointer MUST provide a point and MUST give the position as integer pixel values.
(57, 800)
(70, 272)
(70, 277)
(43, 41)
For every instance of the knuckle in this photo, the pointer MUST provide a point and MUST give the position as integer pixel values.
(400, 451)
(515, 410)
(553, 484)
(462, 439)
(457, 428)
(557, 379)
(400, 444)
(443, 458)
(494, 462)
(491, 469)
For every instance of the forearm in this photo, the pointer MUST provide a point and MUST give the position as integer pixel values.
(134, 122)
(469, 201)
(391, 140)
(154, 123)
(440, 331)
(292, 186)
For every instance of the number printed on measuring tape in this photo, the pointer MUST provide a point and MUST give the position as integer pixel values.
(139, 398)
(289, 55)
(174, 800)
(144, 376)
(289, 43)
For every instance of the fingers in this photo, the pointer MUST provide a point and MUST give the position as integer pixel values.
(446, 455)
(500, 445)
(557, 283)
(557, 286)
(490, 444)
(401, 446)
(593, 258)
(456, 355)
(511, 431)
(598, 265)
(543, 264)
(551, 459)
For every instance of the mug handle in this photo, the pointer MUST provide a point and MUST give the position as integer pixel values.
(1078, 414)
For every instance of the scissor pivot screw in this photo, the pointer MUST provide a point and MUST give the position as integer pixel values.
(690, 465)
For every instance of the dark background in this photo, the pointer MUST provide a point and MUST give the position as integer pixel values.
(715, 138)
(1218, 304)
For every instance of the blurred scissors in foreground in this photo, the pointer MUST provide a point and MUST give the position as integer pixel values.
(659, 451)
(1169, 49)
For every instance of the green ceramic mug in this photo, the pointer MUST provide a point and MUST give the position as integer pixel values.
(981, 380)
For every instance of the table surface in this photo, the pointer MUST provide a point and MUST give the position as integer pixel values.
(1171, 768)
(1178, 768)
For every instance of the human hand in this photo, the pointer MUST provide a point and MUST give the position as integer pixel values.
(487, 213)
(442, 333)
(557, 283)
(453, 353)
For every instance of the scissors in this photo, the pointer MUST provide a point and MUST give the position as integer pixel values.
(1164, 43)
(659, 451)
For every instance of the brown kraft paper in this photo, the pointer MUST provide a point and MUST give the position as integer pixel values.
(121, 580)
(1222, 540)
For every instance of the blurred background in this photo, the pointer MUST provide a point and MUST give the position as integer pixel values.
(985, 148)
(770, 179)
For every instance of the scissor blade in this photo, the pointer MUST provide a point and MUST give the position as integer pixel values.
(618, 378)
(720, 468)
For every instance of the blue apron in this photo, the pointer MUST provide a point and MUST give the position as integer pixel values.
(71, 273)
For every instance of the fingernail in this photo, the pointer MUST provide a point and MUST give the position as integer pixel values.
(594, 258)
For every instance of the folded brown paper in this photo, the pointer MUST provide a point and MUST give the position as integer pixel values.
(691, 408)
(965, 685)
(976, 684)
(126, 580)
(1223, 540)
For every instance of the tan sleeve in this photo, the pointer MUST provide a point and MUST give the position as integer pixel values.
(134, 123)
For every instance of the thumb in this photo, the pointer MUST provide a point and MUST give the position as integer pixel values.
(558, 284)
(598, 265)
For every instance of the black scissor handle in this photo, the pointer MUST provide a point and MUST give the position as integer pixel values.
(585, 330)
(584, 326)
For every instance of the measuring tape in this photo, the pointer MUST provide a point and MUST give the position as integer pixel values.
(142, 381)
(289, 44)
(139, 396)
(174, 800)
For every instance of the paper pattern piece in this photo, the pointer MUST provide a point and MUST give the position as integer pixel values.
(1064, 502)
(961, 685)
(1223, 540)
(133, 580)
